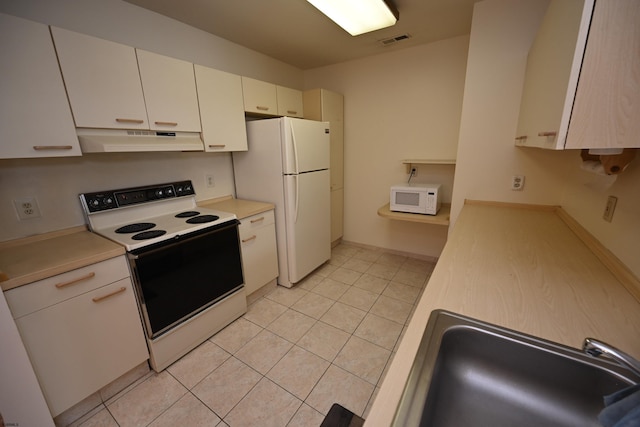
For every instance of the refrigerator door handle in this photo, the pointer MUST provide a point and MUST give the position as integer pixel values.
(295, 217)
(295, 151)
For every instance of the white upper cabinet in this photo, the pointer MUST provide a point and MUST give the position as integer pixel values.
(35, 119)
(582, 84)
(221, 110)
(289, 102)
(606, 112)
(102, 80)
(551, 78)
(169, 89)
(259, 97)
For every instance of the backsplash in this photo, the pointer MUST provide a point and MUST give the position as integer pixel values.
(56, 183)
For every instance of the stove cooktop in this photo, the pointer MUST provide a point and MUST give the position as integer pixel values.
(149, 231)
(143, 216)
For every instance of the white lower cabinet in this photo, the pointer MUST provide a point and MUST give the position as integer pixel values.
(259, 253)
(81, 329)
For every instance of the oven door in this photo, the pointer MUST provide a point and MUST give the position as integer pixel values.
(181, 277)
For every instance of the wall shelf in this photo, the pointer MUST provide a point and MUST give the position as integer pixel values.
(442, 218)
(411, 162)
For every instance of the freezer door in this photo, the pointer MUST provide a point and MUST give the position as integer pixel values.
(305, 145)
(308, 223)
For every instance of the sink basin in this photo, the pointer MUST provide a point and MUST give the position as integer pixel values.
(471, 373)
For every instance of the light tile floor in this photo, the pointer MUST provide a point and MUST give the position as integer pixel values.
(291, 356)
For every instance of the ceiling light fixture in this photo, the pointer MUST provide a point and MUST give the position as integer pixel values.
(359, 16)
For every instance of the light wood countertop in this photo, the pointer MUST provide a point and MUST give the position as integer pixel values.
(523, 269)
(242, 208)
(35, 258)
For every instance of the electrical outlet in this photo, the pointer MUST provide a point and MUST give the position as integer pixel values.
(610, 208)
(27, 208)
(210, 181)
(517, 182)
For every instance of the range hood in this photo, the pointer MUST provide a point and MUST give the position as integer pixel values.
(131, 141)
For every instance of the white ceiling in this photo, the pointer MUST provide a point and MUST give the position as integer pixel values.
(296, 33)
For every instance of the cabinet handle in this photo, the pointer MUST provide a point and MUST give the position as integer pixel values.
(76, 280)
(292, 112)
(249, 239)
(167, 123)
(547, 133)
(51, 147)
(104, 297)
(253, 221)
(521, 138)
(217, 145)
(261, 107)
(137, 121)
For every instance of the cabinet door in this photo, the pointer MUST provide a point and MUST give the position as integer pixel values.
(259, 253)
(289, 102)
(80, 345)
(35, 119)
(259, 97)
(102, 80)
(551, 77)
(169, 88)
(606, 112)
(337, 155)
(221, 110)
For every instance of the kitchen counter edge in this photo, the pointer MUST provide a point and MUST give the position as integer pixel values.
(575, 296)
(240, 207)
(38, 257)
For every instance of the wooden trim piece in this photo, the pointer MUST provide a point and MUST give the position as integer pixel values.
(76, 280)
(109, 295)
(612, 262)
(51, 147)
(546, 208)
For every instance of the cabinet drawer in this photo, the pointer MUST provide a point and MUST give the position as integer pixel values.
(82, 344)
(255, 222)
(44, 293)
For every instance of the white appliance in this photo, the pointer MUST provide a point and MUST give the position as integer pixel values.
(185, 262)
(415, 198)
(288, 165)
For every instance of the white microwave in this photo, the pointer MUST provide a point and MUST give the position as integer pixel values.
(415, 198)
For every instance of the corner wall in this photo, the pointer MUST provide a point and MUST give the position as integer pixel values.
(401, 104)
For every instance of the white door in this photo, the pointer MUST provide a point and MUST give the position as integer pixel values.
(306, 145)
(308, 222)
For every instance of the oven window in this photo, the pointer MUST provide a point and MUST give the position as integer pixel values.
(181, 278)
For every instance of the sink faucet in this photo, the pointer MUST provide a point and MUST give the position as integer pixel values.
(596, 348)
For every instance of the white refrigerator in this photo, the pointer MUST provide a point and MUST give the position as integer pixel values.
(288, 165)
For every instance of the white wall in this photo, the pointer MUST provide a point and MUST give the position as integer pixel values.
(501, 34)
(398, 105)
(57, 182)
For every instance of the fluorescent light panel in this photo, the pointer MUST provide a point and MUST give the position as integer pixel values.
(358, 16)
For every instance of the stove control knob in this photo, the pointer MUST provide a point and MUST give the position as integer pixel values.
(159, 193)
(168, 192)
(94, 202)
(108, 201)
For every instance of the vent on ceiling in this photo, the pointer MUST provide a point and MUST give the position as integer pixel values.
(393, 40)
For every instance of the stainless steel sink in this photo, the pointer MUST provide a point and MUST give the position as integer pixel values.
(470, 373)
